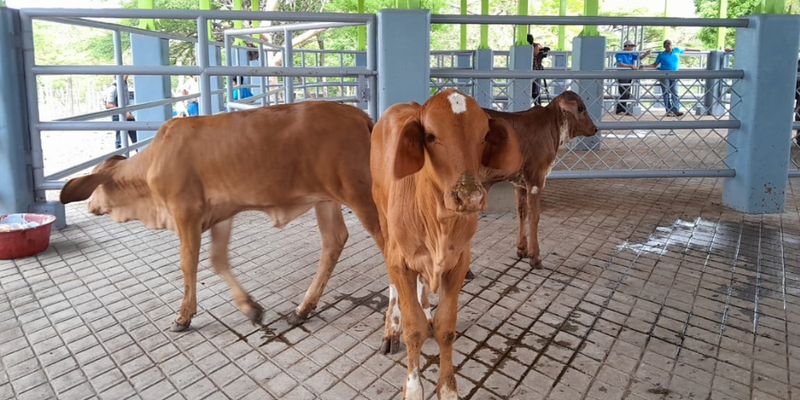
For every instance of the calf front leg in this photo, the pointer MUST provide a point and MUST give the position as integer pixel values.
(444, 326)
(415, 327)
(220, 237)
(334, 236)
(189, 233)
(522, 207)
(535, 188)
(392, 327)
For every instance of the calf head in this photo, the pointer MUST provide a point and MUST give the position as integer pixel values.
(449, 138)
(106, 193)
(579, 122)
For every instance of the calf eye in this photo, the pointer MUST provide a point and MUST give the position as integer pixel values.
(581, 109)
(430, 138)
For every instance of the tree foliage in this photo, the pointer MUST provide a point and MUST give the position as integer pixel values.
(736, 9)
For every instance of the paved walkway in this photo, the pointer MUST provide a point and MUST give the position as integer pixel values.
(651, 289)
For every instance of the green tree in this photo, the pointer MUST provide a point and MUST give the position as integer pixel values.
(710, 9)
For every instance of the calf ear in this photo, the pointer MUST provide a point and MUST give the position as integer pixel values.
(409, 154)
(502, 149)
(81, 188)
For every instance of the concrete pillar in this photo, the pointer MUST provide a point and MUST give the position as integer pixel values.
(361, 62)
(464, 61)
(589, 54)
(483, 92)
(712, 104)
(763, 102)
(18, 153)
(148, 50)
(557, 86)
(520, 58)
(16, 178)
(404, 72)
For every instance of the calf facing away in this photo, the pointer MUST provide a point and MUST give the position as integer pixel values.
(425, 162)
(540, 131)
(199, 172)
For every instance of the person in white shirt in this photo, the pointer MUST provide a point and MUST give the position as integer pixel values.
(191, 87)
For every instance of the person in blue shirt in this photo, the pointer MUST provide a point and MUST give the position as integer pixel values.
(240, 92)
(668, 60)
(627, 60)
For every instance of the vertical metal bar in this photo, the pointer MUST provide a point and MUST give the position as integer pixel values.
(228, 58)
(372, 106)
(202, 62)
(262, 60)
(288, 62)
(37, 155)
(122, 101)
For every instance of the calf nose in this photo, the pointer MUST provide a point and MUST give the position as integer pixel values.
(469, 195)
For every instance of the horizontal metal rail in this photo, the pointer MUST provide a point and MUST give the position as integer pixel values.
(185, 70)
(574, 20)
(115, 70)
(290, 71)
(289, 27)
(193, 14)
(605, 74)
(241, 106)
(120, 28)
(99, 126)
(794, 173)
(670, 125)
(116, 111)
(628, 174)
(90, 163)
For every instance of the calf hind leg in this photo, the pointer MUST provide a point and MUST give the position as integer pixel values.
(522, 208)
(220, 236)
(334, 236)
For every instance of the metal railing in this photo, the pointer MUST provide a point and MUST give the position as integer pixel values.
(351, 81)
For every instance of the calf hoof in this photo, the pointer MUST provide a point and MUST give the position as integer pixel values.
(296, 319)
(254, 312)
(536, 262)
(470, 276)
(522, 252)
(390, 345)
(179, 327)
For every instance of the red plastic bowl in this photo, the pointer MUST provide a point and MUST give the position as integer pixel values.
(23, 240)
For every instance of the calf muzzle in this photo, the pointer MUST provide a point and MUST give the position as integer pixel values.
(468, 194)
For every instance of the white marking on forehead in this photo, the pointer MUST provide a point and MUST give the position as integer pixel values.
(458, 102)
(534, 190)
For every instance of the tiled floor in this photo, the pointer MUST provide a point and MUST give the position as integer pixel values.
(651, 289)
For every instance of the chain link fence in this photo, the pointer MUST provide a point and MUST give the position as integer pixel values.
(634, 141)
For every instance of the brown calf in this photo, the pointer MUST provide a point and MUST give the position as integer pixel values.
(199, 172)
(540, 131)
(425, 162)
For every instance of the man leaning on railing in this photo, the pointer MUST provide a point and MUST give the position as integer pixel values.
(630, 60)
(668, 60)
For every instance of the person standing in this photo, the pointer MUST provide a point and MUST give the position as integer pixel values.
(240, 92)
(668, 60)
(629, 59)
(112, 101)
(191, 87)
(536, 87)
